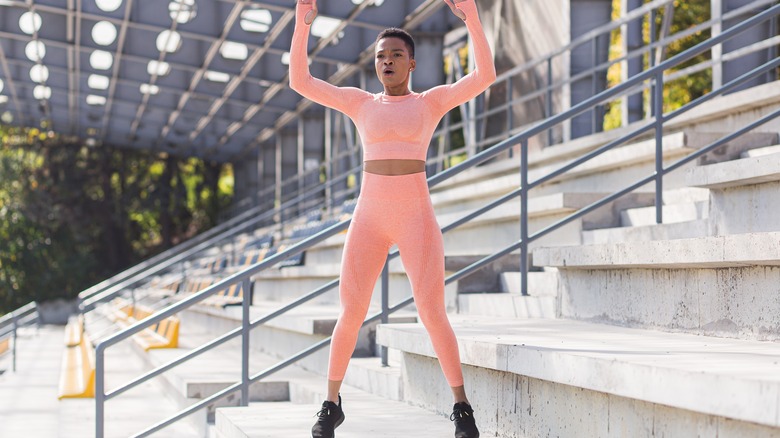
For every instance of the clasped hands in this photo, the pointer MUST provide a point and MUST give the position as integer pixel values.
(311, 15)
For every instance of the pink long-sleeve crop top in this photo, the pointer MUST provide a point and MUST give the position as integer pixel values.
(393, 127)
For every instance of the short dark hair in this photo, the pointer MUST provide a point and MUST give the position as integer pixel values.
(395, 32)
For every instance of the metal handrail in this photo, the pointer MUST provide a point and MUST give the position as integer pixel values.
(114, 289)
(21, 317)
(655, 73)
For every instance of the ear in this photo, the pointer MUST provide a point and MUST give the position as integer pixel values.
(412, 65)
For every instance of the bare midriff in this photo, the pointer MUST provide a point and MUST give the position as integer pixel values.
(394, 167)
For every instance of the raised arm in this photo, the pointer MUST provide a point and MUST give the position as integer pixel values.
(484, 73)
(343, 99)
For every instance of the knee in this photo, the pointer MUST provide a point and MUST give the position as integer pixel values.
(433, 316)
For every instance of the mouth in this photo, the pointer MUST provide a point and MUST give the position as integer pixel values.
(388, 72)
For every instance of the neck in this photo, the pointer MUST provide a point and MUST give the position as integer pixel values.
(401, 90)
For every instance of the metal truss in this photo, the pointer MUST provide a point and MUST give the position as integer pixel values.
(183, 112)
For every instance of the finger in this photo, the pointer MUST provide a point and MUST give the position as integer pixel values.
(458, 13)
(310, 16)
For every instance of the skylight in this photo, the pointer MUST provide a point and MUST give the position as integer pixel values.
(108, 5)
(168, 41)
(149, 89)
(104, 33)
(39, 73)
(256, 20)
(101, 60)
(324, 26)
(41, 92)
(3, 99)
(183, 11)
(30, 22)
(237, 51)
(98, 82)
(158, 68)
(216, 76)
(35, 51)
(96, 100)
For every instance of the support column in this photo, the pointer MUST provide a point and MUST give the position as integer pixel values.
(311, 135)
(632, 107)
(587, 15)
(287, 164)
(727, 71)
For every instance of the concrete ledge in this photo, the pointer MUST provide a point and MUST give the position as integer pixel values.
(723, 377)
(681, 230)
(707, 252)
(735, 173)
(760, 152)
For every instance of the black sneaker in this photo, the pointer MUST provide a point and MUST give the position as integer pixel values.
(463, 416)
(328, 419)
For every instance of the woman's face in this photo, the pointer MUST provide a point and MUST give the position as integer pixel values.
(393, 62)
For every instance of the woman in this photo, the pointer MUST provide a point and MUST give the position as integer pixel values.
(394, 205)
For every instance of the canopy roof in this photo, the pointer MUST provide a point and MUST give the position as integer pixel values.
(201, 78)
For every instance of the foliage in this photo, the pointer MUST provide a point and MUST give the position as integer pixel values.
(678, 92)
(71, 216)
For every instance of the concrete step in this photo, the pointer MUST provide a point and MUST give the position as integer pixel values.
(501, 226)
(366, 416)
(28, 398)
(667, 231)
(758, 152)
(745, 194)
(746, 171)
(604, 174)
(290, 333)
(551, 377)
(723, 285)
(675, 213)
(507, 305)
(540, 284)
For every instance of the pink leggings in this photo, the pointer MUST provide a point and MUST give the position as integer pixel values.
(394, 210)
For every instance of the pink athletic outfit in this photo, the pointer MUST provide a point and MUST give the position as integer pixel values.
(393, 209)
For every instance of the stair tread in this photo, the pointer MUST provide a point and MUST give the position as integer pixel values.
(366, 415)
(718, 376)
(704, 252)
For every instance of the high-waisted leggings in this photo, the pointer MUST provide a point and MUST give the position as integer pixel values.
(394, 209)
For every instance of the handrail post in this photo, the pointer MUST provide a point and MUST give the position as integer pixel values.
(658, 103)
(100, 390)
(245, 327)
(385, 305)
(548, 103)
(524, 216)
(13, 352)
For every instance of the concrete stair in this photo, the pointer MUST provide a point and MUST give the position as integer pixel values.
(366, 415)
(571, 378)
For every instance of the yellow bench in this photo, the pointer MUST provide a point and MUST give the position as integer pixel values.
(5, 345)
(164, 334)
(77, 378)
(227, 297)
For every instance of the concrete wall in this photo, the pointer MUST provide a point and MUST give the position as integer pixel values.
(513, 406)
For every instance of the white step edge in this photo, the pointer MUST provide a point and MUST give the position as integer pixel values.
(724, 377)
(735, 173)
(759, 152)
(705, 252)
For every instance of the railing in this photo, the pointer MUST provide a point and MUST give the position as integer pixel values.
(543, 66)
(655, 74)
(112, 287)
(12, 322)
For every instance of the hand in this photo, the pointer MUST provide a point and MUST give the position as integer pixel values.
(458, 13)
(311, 15)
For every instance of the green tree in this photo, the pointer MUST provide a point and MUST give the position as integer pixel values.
(677, 93)
(71, 215)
